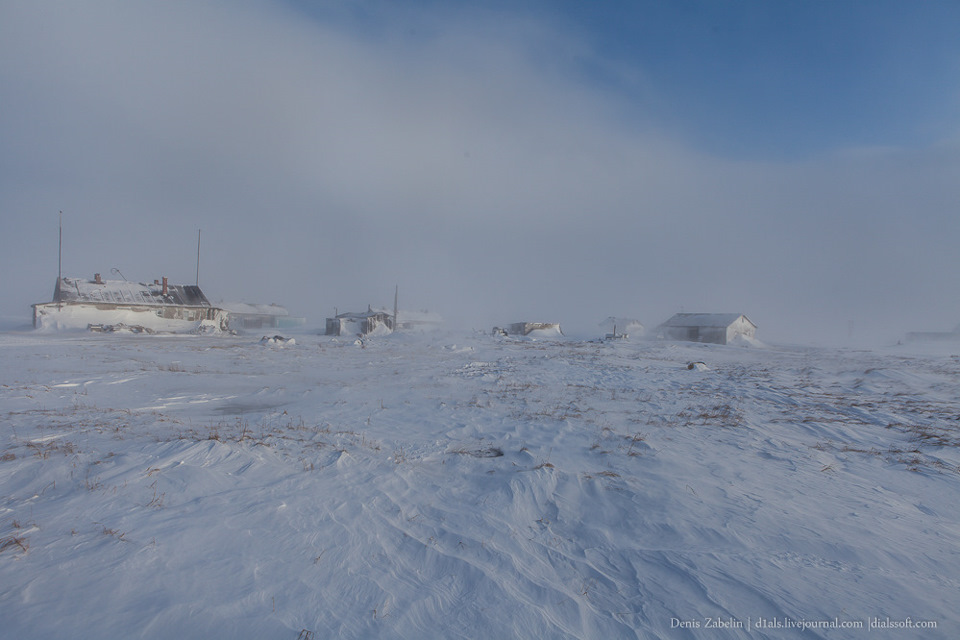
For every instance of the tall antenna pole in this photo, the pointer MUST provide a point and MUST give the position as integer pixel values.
(59, 260)
(396, 293)
(198, 257)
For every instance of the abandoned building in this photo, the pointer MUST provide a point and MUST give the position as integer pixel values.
(935, 336)
(526, 328)
(715, 328)
(80, 302)
(243, 315)
(362, 323)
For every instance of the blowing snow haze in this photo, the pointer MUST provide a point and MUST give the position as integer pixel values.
(543, 161)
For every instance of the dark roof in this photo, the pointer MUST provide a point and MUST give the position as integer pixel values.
(129, 293)
(704, 320)
(354, 315)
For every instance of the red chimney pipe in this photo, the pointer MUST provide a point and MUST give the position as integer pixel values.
(164, 285)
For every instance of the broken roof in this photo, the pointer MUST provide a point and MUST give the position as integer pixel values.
(129, 293)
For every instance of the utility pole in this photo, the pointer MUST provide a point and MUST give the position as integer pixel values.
(59, 260)
(198, 257)
(396, 293)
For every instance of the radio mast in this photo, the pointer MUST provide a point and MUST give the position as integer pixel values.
(198, 257)
(59, 260)
(396, 293)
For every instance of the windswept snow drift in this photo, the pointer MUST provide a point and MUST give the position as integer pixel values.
(80, 318)
(206, 487)
(741, 340)
(551, 333)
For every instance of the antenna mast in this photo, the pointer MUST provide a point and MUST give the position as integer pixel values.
(59, 260)
(396, 293)
(198, 257)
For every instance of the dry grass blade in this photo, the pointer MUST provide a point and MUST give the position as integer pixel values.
(14, 541)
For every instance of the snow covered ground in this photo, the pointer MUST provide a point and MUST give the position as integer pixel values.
(439, 486)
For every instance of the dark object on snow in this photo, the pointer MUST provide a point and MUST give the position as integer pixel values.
(484, 452)
(110, 328)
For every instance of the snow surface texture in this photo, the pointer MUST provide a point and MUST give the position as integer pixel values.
(419, 487)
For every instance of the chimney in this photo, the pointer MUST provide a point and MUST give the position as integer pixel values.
(164, 285)
(156, 282)
(97, 279)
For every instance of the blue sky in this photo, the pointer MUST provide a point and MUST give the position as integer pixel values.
(789, 79)
(749, 79)
(565, 161)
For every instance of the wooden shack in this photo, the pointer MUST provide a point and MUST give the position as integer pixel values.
(359, 323)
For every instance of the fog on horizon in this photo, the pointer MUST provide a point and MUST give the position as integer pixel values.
(524, 161)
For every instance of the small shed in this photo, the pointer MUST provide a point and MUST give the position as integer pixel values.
(363, 323)
(159, 306)
(715, 328)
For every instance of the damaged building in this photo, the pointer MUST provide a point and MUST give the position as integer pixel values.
(360, 323)
(78, 302)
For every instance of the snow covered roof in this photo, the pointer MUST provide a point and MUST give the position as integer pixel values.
(129, 293)
(704, 319)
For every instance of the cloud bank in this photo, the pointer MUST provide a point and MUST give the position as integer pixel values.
(461, 156)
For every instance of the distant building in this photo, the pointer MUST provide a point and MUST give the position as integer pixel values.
(621, 327)
(418, 320)
(934, 336)
(242, 315)
(159, 306)
(362, 323)
(526, 328)
(715, 328)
